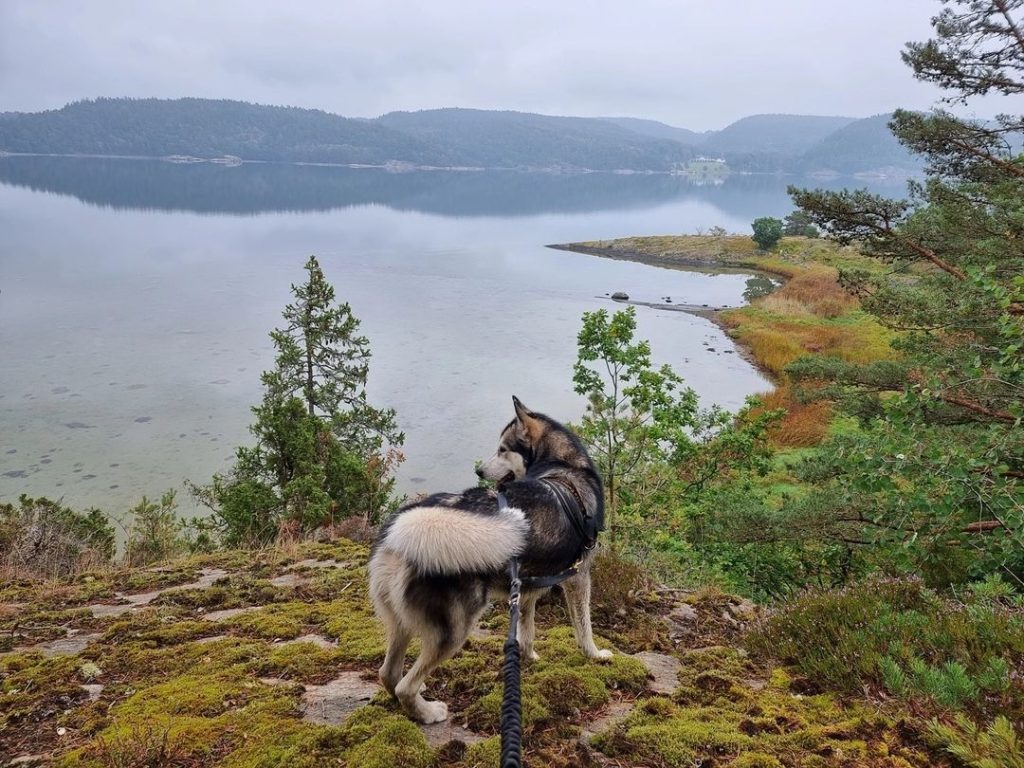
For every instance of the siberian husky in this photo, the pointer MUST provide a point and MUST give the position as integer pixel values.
(436, 561)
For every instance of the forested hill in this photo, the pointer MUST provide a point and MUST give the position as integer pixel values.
(844, 150)
(511, 139)
(787, 134)
(455, 137)
(209, 128)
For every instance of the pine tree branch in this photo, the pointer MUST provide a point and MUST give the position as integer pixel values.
(974, 407)
(1011, 25)
(982, 526)
(1005, 165)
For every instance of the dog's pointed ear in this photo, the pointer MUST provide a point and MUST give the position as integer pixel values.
(527, 419)
(521, 410)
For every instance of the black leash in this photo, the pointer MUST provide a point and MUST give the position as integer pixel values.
(511, 703)
(511, 673)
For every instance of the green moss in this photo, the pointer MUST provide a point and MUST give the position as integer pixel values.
(148, 580)
(483, 754)
(755, 760)
(172, 700)
(34, 688)
(304, 662)
(279, 623)
(359, 633)
(561, 686)
(39, 623)
(716, 717)
(229, 592)
(384, 740)
(659, 730)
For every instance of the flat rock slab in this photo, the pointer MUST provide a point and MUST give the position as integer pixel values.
(289, 580)
(275, 682)
(318, 640)
(210, 639)
(331, 703)
(439, 734)
(664, 669)
(229, 613)
(683, 613)
(102, 610)
(312, 563)
(94, 690)
(67, 646)
(131, 602)
(616, 711)
(207, 578)
(29, 760)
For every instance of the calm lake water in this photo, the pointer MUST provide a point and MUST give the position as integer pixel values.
(136, 298)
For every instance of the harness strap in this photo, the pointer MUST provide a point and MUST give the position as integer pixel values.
(569, 500)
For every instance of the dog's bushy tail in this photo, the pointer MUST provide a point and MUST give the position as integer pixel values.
(447, 540)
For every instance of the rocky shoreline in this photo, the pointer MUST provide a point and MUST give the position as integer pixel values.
(688, 262)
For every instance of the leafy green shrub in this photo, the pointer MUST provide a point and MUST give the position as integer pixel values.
(767, 232)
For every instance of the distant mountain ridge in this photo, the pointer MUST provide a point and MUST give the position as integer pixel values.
(448, 138)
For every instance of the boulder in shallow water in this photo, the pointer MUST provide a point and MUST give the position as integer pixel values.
(620, 296)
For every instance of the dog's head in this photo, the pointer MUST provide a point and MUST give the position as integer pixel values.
(517, 446)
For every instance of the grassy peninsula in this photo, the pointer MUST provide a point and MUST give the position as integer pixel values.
(810, 314)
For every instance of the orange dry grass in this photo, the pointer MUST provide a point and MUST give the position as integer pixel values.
(810, 314)
(804, 424)
(818, 291)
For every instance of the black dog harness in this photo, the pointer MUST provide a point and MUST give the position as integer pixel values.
(569, 501)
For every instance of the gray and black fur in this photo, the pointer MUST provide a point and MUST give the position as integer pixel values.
(437, 561)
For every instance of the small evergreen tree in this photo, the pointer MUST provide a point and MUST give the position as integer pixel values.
(155, 532)
(323, 452)
(799, 224)
(767, 232)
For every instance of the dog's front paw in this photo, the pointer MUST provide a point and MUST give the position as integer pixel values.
(431, 712)
(533, 656)
(603, 654)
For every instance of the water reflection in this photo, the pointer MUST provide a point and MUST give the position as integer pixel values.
(254, 188)
(134, 327)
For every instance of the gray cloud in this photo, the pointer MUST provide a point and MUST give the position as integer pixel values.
(691, 63)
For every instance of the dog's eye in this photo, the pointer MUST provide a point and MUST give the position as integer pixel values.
(502, 449)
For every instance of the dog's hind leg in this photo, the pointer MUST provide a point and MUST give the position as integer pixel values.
(436, 649)
(391, 670)
(577, 600)
(527, 629)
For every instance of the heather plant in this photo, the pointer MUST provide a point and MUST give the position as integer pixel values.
(900, 637)
(42, 538)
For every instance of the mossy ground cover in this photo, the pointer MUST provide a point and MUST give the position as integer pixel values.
(181, 690)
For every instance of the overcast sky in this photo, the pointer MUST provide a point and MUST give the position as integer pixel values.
(694, 63)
